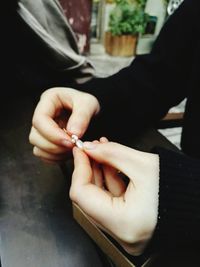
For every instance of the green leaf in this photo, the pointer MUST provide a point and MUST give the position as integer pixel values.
(128, 17)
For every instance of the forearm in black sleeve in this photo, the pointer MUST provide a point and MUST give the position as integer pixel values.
(153, 83)
(179, 201)
(9, 5)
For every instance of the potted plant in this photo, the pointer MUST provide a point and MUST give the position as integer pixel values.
(126, 22)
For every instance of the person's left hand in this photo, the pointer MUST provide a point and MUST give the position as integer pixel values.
(129, 214)
(58, 108)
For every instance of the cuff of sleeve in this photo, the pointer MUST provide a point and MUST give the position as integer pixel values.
(179, 200)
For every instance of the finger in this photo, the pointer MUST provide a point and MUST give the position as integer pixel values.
(113, 182)
(83, 110)
(43, 119)
(78, 121)
(82, 167)
(137, 165)
(97, 175)
(112, 154)
(97, 172)
(39, 141)
(91, 199)
(103, 140)
(48, 156)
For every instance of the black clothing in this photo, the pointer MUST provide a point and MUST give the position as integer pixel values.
(146, 90)
(141, 95)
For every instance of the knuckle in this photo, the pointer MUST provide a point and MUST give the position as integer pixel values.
(47, 92)
(73, 194)
(51, 92)
(51, 149)
(31, 139)
(35, 121)
(36, 151)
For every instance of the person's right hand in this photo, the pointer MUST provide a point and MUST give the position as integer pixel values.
(128, 213)
(60, 108)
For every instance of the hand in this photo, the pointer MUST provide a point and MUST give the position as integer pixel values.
(60, 108)
(129, 214)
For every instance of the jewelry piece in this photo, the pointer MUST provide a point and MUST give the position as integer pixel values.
(79, 144)
(75, 140)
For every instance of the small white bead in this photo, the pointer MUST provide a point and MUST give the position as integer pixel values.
(74, 138)
(79, 144)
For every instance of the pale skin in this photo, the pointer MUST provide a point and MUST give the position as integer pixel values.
(50, 142)
(128, 213)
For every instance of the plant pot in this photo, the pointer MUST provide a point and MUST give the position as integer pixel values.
(120, 45)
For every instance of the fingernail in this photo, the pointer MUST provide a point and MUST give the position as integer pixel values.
(67, 143)
(89, 145)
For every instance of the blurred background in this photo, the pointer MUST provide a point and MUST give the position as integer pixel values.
(92, 20)
(110, 33)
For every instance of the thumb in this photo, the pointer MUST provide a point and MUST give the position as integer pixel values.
(78, 122)
(82, 113)
(87, 195)
(112, 154)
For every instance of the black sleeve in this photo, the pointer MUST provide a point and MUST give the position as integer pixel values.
(10, 52)
(179, 202)
(9, 33)
(9, 30)
(9, 6)
(8, 18)
(143, 92)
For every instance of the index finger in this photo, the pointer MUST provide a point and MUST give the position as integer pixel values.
(43, 120)
(91, 199)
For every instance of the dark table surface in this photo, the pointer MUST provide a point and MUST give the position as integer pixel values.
(36, 224)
